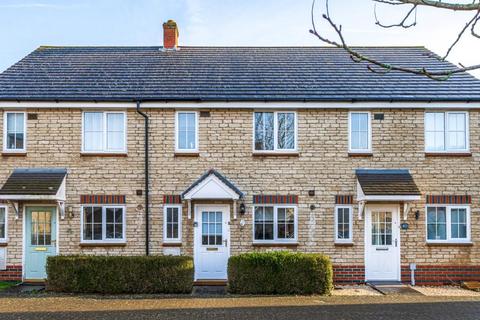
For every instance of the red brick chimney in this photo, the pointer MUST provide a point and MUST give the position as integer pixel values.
(170, 35)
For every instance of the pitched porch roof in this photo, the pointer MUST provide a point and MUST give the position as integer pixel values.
(212, 185)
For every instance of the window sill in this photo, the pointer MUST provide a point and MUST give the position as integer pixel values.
(275, 154)
(275, 244)
(103, 244)
(448, 154)
(360, 154)
(449, 244)
(14, 154)
(104, 154)
(186, 154)
(344, 244)
(171, 244)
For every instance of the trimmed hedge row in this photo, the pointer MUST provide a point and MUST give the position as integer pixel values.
(120, 274)
(280, 272)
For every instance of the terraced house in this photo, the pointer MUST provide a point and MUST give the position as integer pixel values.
(214, 151)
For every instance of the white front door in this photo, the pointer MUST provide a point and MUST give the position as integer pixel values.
(382, 243)
(212, 241)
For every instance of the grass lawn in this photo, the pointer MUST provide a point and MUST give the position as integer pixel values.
(6, 285)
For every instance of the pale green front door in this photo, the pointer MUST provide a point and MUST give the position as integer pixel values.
(40, 240)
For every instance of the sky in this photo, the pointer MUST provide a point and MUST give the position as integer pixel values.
(28, 24)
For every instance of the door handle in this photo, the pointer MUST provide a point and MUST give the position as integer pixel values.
(395, 243)
(226, 242)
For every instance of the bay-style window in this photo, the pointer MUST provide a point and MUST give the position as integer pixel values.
(448, 223)
(172, 223)
(359, 132)
(446, 131)
(103, 224)
(14, 132)
(343, 224)
(275, 131)
(3, 223)
(186, 131)
(104, 132)
(275, 224)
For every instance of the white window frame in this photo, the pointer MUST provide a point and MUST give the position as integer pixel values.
(180, 215)
(350, 223)
(197, 129)
(275, 132)
(5, 149)
(445, 126)
(275, 239)
(5, 239)
(448, 209)
(104, 223)
(105, 132)
(369, 141)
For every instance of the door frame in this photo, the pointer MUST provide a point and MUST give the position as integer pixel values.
(24, 229)
(395, 207)
(227, 208)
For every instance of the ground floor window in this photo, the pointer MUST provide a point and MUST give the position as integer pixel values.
(3, 223)
(103, 223)
(448, 223)
(275, 224)
(172, 223)
(343, 224)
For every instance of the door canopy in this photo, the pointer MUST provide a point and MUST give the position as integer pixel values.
(212, 185)
(386, 185)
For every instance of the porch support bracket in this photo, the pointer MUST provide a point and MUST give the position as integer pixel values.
(361, 208)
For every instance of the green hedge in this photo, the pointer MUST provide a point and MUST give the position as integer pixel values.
(120, 274)
(280, 272)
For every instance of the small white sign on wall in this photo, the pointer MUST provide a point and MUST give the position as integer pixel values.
(3, 259)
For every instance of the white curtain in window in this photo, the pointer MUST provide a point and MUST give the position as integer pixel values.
(93, 131)
(115, 131)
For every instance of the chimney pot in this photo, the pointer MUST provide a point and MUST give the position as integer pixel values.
(170, 35)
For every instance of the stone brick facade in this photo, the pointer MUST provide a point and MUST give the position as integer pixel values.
(225, 144)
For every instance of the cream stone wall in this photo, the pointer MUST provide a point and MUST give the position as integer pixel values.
(225, 144)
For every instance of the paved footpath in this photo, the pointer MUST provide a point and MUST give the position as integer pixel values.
(291, 308)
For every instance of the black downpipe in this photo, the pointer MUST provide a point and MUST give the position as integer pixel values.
(147, 178)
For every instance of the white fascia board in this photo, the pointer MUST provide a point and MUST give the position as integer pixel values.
(389, 198)
(61, 195)
(12, 105)
(211, 188)
(16, 197)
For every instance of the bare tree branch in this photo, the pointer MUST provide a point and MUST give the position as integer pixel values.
(474, 20)
(401, 23)
(474, 33)
(474, 6)
(377, 66)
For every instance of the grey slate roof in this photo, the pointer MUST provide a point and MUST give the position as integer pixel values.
(219, 176)
(227, 74)
(387, 182)
(34, 182)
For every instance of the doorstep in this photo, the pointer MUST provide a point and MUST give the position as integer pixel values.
(393, 288)
(212, 283)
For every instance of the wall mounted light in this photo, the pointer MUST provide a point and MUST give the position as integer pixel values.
(311, 193)
(417, 215)
(312, 207)
(70, 212)
(243, 209)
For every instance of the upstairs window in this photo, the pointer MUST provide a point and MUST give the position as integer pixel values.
(360, 132)
(275, 131)
(186, 132)
(103, 224)
(104, 132)
(14, 132)
(446, 131)
(172, 223)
